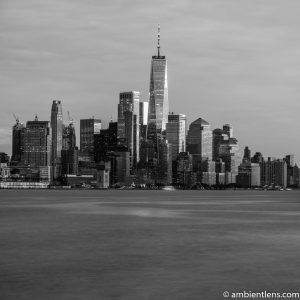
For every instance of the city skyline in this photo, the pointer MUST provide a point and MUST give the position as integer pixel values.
(225, 80)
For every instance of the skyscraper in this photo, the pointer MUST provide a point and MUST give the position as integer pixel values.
(18, 132)
(69, 152)
(88, 127)
(218, 137)
(57, 133)
(37, 143)
(199, 139)
(175, 133)
(128, 123)
(158, 102)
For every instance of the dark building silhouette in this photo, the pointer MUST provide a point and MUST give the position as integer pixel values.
(247, 155)
(69, 152)
(18, 132)
(57, 137)
(37, 143)
(106, 141)
(4, 158)
(88, 128)
(183, 171)
(218, 136)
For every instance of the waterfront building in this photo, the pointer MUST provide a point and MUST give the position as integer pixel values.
(69, 159)
(208, 178)
(37, 143)
(103, 174)
(176, 133)
(88, 128)
(164, 163)
(18, 132)
(248, 175)
(129, 124)
(183, 175)
(276, 172)
(119, 167)
(57, 137)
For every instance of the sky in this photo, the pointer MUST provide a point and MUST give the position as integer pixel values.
(229, 61)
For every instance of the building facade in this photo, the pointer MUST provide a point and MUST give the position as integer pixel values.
(37, 143)
(176, 133)
(199, 140)
(88, 128)
(57, 137)
(129, 124)
(18, 132)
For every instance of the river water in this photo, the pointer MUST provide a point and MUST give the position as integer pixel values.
(88, 244)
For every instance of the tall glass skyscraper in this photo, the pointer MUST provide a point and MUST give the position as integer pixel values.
(37, 143)
(57, 136)
(175, 133)
(158, 102)
(128, 123)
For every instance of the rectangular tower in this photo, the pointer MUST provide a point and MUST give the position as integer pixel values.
(88, 127)
(175, 133)
(57, 133)
(37, 143)
(128, 123)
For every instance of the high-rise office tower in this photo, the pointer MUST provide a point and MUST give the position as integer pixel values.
(88, 127)
(199, 139)
(218, 137)
(37, 143)
(230, 154)
(69, 152)
(57, 133)
(128, 123)
(158, 102)
(18, 132)
(175, 133)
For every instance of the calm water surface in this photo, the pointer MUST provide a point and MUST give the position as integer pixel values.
(147, 244)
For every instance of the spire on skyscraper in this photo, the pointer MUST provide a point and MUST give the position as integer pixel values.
(158, 40)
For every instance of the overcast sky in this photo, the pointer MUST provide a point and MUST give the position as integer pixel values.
(229, 61)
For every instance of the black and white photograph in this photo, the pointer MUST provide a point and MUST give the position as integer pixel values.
(149, 150)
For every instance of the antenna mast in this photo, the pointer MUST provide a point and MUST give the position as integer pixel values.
(158, 41)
